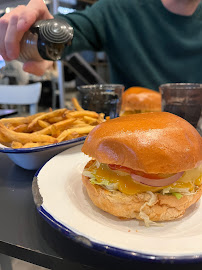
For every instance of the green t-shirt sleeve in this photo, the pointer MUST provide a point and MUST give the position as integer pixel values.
(89, 27)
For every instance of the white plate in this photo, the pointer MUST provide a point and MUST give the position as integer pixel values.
(62, 200)
(34, 158)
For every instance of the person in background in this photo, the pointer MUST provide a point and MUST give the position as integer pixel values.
(148, 42)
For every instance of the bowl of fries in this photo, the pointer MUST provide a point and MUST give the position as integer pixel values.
(31, 141)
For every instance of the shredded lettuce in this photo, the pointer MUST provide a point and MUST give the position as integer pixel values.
(170, 190)
(147, 221)
(87, 174)
(177, 195)
(97, 164)
(104, 183)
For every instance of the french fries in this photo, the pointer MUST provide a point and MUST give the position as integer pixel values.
(76, 105)
(25, 137)
(48, 127)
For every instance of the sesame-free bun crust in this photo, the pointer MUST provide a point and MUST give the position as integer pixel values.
(141, 99)
(165, 207)
(156, 142)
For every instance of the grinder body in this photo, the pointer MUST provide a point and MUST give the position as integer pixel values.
(46, 39)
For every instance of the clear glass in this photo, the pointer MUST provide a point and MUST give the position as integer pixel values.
(183, 99)
(102, 98)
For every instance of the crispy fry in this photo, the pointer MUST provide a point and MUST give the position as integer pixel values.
(64, 124)
(82, 130)
(101, 117)
(79, 130)
(20, 120)
(46, 116)
(12, 126)
(56, 119)
(25, 137)
(48, 127)
(63, 135)
(71, 136)
(79, 122)
(45, 131)
(20, 128)
(15, 120)
(30, 145)
(83, 113)
(33, 116)
(57, 126)
(16, 145)
(43, 123)
(90, 120)
(76, 105)
(3, 139)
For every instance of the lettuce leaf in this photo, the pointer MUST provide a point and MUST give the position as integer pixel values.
(177, 195)
(104, 183)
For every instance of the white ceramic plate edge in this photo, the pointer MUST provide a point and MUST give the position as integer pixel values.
(103, 246)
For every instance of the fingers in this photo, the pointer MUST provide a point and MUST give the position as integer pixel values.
(26, 20)
(12, 39)
(37, 68)
(3, 27)
(35, 10)
(14, 24)
(41, 8)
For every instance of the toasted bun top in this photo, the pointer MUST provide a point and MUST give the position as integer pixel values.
(140, 98)
(157, 142)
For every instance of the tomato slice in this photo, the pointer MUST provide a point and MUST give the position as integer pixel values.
(131, 171)
(155, 180)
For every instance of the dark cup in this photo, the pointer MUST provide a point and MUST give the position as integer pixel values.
(102, 98)
(183, 99)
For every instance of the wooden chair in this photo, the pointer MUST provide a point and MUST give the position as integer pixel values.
(28, 94)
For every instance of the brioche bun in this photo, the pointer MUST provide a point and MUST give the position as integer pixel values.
(140, 99)
(157, 142)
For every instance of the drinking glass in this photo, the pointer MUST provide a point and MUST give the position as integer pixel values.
(183, 99)
(102, 98)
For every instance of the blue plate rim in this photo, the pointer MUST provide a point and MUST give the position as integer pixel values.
(111, 250)
(114, 251)
(41, 148)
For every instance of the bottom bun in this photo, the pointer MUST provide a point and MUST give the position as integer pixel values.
(156, 206)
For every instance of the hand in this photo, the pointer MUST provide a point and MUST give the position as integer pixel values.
(13, 25)
(37, 68)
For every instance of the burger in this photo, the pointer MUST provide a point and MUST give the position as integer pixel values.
(145, 166)
(139, 100)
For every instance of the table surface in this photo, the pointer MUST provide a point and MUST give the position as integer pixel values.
(5, 113)
(24, 234)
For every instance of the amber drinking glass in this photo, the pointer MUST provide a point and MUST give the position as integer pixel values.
(183, 99)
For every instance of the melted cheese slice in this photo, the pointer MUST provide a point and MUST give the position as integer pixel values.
(189, 180)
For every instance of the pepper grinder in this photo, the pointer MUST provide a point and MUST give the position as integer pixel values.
(46, 39)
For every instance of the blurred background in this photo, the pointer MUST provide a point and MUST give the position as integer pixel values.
(59, 84)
